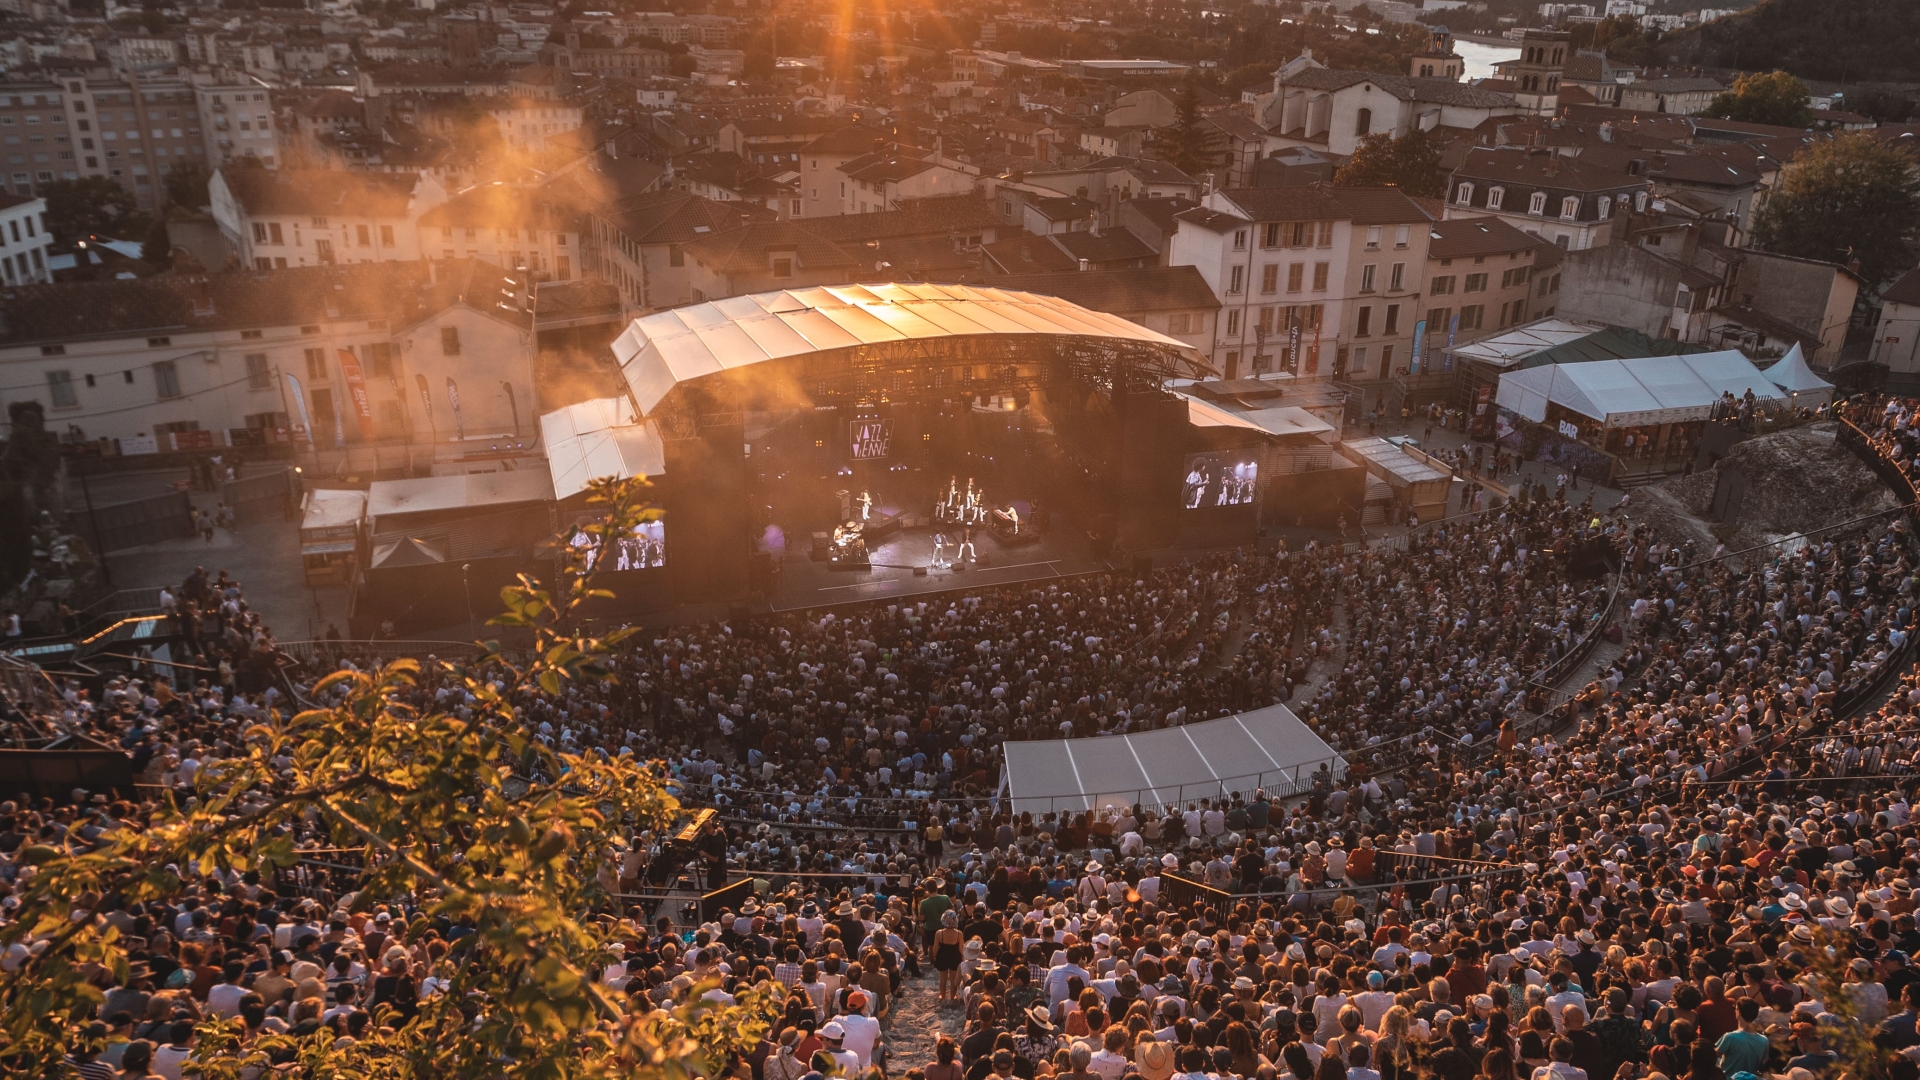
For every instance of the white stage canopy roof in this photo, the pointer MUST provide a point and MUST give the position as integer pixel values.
(1267, 748)
(600, 438)
(1626, 393)
(658, 352)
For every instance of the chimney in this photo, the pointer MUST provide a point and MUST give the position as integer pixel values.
(1606, 132)
(1084, 265)
(202, 295)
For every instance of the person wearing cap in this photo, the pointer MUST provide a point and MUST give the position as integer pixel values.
(860, 1032)
(839, 1059)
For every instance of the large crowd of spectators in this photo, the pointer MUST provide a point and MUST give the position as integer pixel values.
(1643, 879)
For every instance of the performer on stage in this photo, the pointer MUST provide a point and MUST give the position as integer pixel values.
(940, 551)
(866, 505)
(966, 552)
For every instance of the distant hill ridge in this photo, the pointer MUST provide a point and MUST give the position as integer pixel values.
(1832, 40)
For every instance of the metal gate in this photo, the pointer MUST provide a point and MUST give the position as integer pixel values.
(117, 526)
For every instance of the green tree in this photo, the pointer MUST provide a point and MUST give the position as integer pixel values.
(1851, 198)
(1884, 106)
(186, 186)
(1190, 144)
(157, 247)
(1410, 163)
(79, 208)
(1774, 97)
(478, 820)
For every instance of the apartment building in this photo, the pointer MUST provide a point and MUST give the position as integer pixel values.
(511, 227)
(1570, 202)
(132, 130)
(23, 240)
(236, 359)
(290, 218)
(1316, 280)
(1482, 276)
(237, 123)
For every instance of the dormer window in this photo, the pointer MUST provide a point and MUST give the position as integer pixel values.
(783, 266)
(1569, 208)
(1605, 208)
(1537, 203)
(1496, 196)
(1464, 197)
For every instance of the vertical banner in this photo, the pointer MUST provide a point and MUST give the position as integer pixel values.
(1313, 358)
(1293, 347)
(303, 424)
(426, 396)
(1453, 328)
(1419, 344)
(453, 395)
(357, 393)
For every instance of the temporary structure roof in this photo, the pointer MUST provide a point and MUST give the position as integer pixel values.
(599, 438)
(1511, 347)
(1281, 420)
(401, 551)
(428, 494)
(1792, 375)
(1625, 393)
(1393, 461)
(1267, 748)
(660, 351)
(334, 508)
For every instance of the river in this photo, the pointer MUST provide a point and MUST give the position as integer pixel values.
(1482, 55)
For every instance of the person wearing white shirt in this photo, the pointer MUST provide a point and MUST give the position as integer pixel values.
(863, 1031)
(1058, 975)
(1373, 1002)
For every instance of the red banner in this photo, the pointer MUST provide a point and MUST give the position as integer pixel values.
(357, 390)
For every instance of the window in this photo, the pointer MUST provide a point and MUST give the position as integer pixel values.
(1366, 277)
(1363, 123)
(1265, 325)
(1270, 278)
(1605, 209)
(1363, 325)
(1402, 235)
(1496, 196)
(1470, 316)
(1570, 208)
(53, 350)
(252, 335)
(316, 365)
(259, 232)
(1326, 235)
(1397, 278)
(1273, 234)
(1639, 202)
(1296, 275)
(1475, 283)
(450, 340)
(386, 236)
(1359, 365)
(379, 358)
(60, 387)
(676, 257)
(1537, 203)
(1392, 323)
(1386, 359)
(364, 235)
(783, 268)
(166, 379)
(127, 376)
(1320, 276)
(1233, 322)
(1236, 280)
(259, 376)
(1373, 238)
(1240, 240)
(1464, 195)
(1437, 320)
(1181, 323)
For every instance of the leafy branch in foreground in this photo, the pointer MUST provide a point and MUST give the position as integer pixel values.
(464, 817)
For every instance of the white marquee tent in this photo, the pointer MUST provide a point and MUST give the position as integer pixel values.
(1630, 393)
(1801, 385)
(1267, 748)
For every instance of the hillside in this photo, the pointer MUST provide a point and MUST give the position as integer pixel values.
(1836, 40)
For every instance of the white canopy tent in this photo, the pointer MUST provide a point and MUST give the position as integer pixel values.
(1802, 387)
(1631, 393)
(1267, 748)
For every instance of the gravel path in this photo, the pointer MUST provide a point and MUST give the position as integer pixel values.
(919, 1019)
